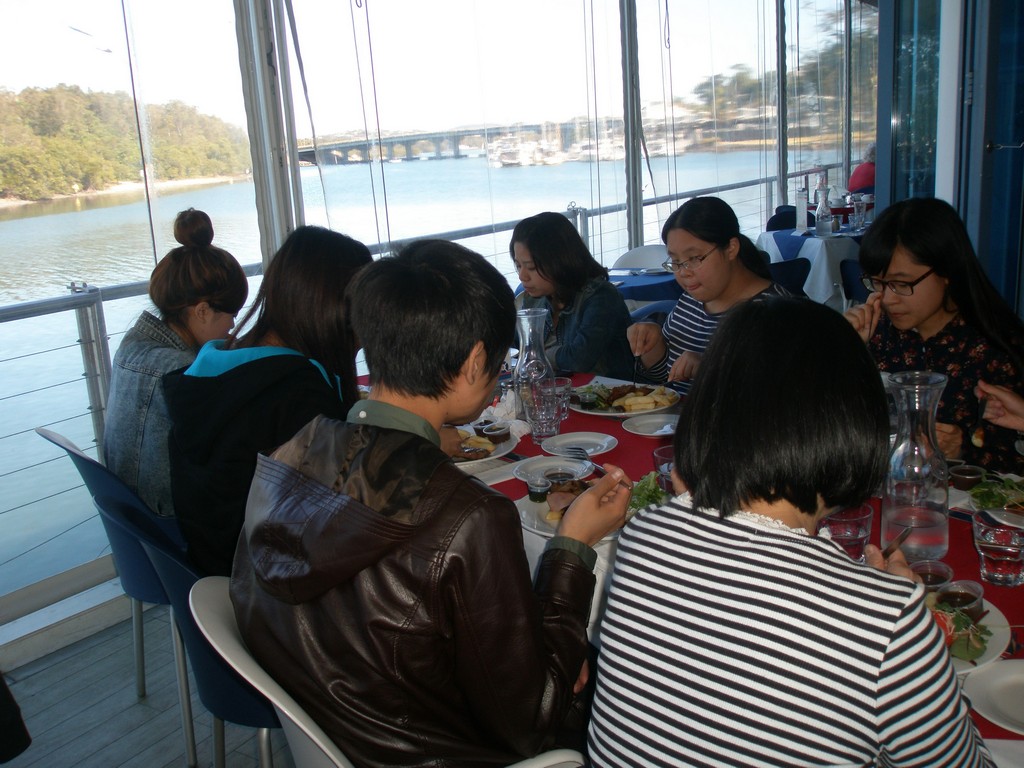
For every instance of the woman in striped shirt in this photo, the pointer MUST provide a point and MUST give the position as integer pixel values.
(717, 268)
(735, 636)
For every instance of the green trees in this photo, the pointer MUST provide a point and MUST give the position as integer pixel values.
(62, 140)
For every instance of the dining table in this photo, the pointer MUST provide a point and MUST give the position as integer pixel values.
(824, 282)
(633, 453)
(645, 285)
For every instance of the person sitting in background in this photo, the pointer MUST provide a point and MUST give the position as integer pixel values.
(197, 290)
(255, 391)
(387, 590)
(733, 634)
(862, 180)
(933, 308)
(717, 268)
(587, 314)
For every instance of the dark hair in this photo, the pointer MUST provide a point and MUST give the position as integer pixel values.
(196, 271)
(192, 227)
(787, 404)
(713, 220)
(931, 231)
(302, 301)
(418, 315)
(558, 252)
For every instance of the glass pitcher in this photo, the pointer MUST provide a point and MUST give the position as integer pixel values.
(917, 482)
(532, 364)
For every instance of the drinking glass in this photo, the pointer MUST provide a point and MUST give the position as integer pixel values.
(850, 529)
(857, 220)
(664, 461)
(542, 402)
(999, 539)
(565, 386)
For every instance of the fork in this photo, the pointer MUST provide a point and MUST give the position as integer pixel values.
(575, 452)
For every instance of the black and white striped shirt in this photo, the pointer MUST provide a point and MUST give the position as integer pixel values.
(727, 643)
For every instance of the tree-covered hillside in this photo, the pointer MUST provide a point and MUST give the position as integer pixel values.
(62, 140)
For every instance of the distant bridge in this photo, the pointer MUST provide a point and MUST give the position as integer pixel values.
(436, 144)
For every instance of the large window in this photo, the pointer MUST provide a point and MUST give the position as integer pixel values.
(85, 200)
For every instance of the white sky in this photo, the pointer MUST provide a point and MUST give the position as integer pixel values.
(436, 64)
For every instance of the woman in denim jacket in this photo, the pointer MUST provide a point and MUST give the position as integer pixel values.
(586, 328)
(197, 290)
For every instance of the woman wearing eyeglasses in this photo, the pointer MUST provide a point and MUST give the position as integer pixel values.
(717, 268)
(933, 308)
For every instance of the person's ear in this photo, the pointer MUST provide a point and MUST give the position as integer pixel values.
(476, 363)
(732, 250)
(202, 312)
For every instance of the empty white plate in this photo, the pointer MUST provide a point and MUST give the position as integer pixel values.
(655, 425)
(593, 443)
(996, 692)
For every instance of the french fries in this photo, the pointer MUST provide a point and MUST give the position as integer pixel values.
(645, 399)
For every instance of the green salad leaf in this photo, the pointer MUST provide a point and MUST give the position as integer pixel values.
(646, 491)
(996, 492)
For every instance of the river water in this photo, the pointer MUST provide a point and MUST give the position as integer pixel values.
(46, 523)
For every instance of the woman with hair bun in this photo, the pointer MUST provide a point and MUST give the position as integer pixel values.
(197, 289)
(717, 268)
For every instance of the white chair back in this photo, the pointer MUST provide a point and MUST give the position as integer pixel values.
(309, 745)
(642, 257)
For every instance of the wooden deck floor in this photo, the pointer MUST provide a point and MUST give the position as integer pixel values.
(81, 709)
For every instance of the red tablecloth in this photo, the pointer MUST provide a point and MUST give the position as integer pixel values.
(633, 454)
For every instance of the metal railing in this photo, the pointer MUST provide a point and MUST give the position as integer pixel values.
(22, 453)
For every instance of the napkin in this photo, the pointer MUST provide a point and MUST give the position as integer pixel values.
(505, 410)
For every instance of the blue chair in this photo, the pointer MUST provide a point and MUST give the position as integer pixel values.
(785, 218)
(138, 579)
(654, 312)
(854, 290)
(224, 693)
(791, 274)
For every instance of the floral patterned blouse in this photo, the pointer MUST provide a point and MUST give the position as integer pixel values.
(964, 355)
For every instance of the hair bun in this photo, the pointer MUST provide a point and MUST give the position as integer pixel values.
(193, 228)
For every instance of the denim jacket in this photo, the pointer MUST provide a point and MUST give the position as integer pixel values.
(138, 426)
(591, 332)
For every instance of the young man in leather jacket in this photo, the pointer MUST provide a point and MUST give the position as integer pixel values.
(387, 590)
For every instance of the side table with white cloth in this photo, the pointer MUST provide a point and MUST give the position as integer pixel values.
(824, 283)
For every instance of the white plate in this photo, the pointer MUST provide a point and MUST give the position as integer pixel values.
(662, 425)
(997, 641)
(997, 691)
(532, 514)
(539, 466)
(611, 384)
(593, 443)
(499, 450)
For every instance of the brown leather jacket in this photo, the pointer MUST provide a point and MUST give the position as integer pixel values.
(389, 593)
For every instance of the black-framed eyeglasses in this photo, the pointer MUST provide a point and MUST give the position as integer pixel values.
(690, 264)
(899, 287)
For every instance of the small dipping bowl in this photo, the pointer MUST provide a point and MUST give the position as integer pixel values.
(934, 574)
(480, 427)
(538, 488)
(588, 401)
(967, 596)
(965, 476)
(497, 433)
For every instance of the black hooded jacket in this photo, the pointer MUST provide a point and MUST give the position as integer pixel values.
(220, 424)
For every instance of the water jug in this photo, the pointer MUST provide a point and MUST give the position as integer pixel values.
(916, 492)
(532, 363)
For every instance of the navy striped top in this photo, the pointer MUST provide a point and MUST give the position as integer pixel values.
(730, 643)
(688, 329)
